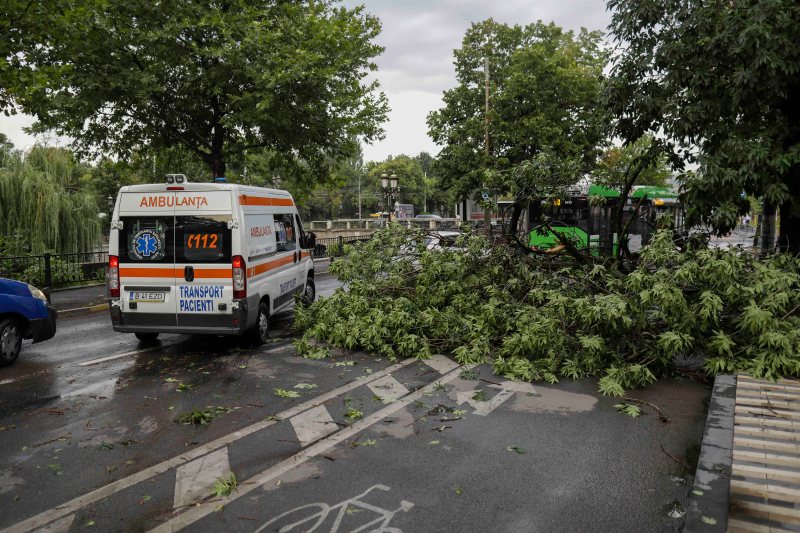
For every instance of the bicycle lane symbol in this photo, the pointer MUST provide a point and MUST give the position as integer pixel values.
(309, 517)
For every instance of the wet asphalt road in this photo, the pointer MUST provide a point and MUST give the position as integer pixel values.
(90, 441)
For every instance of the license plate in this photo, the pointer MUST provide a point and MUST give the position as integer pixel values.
(146, 297)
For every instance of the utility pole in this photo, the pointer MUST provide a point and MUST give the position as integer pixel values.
(487, 217)
(359, 195)
(425, 193)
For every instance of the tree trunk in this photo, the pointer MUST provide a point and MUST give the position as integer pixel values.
(789, 240)
(218, 167)
(768, 228)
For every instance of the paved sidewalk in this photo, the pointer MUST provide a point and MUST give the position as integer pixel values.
(748, 478)
(79, 297)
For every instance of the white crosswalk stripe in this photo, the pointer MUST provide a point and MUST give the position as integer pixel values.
(312, 425)
(440, 363)
(195, 480)
(388, 389)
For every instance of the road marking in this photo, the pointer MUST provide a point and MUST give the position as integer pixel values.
(197, 512)
(76, 504)
(127, 354)
(60, 526)
(516, 386)
(388, 388)
(466, 396)
(487, 407)
(312, 425)
(323, 510)
(440, 363)
(26, 376)
(195, 481)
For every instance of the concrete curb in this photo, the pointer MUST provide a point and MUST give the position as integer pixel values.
(80, 311)
(709, 500)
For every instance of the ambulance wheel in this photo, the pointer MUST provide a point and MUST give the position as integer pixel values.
(260, 332)
(10, 341)
(146, 337)
(309, 293)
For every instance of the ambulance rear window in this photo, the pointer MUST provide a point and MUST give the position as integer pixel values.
(204, 239)
(146, 240)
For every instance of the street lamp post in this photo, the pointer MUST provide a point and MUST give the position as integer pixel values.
(390, 190)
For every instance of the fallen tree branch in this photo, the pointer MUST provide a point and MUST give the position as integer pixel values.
(680, 462)
(661, 416)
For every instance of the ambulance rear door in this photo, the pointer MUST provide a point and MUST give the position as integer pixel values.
(147, 259)
(203, 255)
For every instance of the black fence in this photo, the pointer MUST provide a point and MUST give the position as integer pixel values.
(53, 271)
(334, 246)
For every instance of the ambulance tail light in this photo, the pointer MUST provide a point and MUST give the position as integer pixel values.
(239, 277)
(113, 276)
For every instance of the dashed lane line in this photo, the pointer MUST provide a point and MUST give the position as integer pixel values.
(199, 511)
(91, 362)
(75, 504)
(127, 354)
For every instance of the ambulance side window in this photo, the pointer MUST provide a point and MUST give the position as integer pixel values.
(285, 233)
(146, 240)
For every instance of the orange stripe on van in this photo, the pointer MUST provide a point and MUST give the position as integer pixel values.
(265, 200)
(133, 272)
(269, 265)
(208, 273)
(173, 273)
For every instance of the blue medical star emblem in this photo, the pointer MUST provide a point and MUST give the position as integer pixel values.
(146, 244)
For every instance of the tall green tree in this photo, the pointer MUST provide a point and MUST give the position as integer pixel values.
(410, 177)
(43, 206)
(218, 79)
(544, 87)
(721, 81)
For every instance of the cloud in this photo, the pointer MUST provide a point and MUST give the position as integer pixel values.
(419, 37)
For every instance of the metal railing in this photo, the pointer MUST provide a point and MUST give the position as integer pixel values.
(53, 271)
(376, 223)
(334, 246)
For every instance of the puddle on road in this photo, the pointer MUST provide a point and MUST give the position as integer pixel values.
(553, 401)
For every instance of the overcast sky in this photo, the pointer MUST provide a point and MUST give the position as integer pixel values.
(417, 65)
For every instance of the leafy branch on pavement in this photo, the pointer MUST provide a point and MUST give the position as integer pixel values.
(543, 318)
(201, 417)
(225, 485)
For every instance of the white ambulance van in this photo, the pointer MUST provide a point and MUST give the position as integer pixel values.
(213, 258)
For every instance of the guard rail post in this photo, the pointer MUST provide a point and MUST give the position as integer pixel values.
(48, 276)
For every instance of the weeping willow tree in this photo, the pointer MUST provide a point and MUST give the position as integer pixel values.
(42, 207)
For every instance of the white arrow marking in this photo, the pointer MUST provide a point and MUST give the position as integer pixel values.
(487, 407)
(466, 396)
(516, 386)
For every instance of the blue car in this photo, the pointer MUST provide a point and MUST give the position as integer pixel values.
(24, 314)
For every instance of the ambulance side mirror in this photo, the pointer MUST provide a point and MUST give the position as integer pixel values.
(309, 241)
